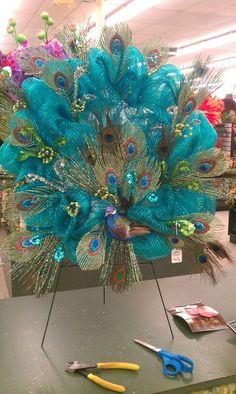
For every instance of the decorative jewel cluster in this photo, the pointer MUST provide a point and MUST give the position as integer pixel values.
(46, 154)
(73, 208)
(105, 195)
(183, 130)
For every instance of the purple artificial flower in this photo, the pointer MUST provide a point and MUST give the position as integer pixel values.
(55, 48)
(12, 60)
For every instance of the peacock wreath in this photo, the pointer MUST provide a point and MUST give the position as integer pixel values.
(110, 159)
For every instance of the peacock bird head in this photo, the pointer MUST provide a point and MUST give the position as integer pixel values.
(110, 210)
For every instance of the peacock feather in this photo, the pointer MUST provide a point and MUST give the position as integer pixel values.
(76, 43)
(33, 60)
(122, 272)
(90, 252)
(156, 52)
(33, 260)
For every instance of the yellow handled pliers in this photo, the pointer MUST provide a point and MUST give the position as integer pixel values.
(88, 370)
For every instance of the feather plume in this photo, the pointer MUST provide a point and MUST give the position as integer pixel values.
(121, 269)
(195, 88)
(90, 252)
(59, 77)
(32, 60)
(199, 173)
(34, 260)
(114, 39)
(156, 53)
(11, 99)
(206, 258)
(75, 43)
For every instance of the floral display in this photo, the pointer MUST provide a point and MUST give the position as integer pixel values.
(213, 107)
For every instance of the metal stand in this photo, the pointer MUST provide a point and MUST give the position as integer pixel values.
(104, 299)
(52, 302)
(162, 300)
(104, 295)
(54, 295)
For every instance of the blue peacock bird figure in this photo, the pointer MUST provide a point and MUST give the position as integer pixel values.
(110, 160)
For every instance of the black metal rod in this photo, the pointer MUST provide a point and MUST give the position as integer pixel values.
(104, 295)
(51, 306)
(162, 300)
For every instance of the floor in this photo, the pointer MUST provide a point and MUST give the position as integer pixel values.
(222, 215)
(4, 293)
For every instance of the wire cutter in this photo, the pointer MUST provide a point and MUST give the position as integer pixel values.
(88, 369)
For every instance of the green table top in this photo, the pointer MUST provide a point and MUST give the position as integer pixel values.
(82, 328)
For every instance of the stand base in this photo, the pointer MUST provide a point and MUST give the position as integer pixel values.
(104, 299)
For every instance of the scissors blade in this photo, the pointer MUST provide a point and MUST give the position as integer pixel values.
(145, 344)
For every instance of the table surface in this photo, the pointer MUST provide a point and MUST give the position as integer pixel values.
(82, 328)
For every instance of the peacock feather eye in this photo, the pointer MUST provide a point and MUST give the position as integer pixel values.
(201, 227)
(144, 180)
(153, 58)
(25, 243)
(61, 81)
(37, 62)
(130, 148)
(94, 246)
(119, 275)
(116, 44)
(176, 242)
(202, 258)
(189, 106)
(108, 136)
(111, 178)
(163, 150)
(21, 136)
(206, 166)
(25, 204)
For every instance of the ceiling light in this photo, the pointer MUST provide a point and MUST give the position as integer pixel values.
(217, 62)
(225, 62)
(129, 10)
(218, 40)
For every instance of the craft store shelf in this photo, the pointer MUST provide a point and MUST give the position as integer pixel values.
(232, 225)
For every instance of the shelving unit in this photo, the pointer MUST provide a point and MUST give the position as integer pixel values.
(227, 141)
(225, 136)
(232, 224)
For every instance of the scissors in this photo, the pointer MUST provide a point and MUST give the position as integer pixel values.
(172, 363)
(88, 369)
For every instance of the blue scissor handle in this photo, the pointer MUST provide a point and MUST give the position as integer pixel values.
(177, 362)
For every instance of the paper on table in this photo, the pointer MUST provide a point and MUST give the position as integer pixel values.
(199, 317)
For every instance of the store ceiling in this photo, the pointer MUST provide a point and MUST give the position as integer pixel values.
(177, 21)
